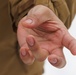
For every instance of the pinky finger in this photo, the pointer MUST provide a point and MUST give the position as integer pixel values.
(26, 56)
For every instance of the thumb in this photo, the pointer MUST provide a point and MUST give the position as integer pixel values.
(38, 15)
(70, 43)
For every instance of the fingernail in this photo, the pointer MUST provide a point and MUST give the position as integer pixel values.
(23, 52)
(29, 21)
(53, 61)
(30, 41)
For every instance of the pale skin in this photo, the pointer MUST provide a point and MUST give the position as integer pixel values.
(42, 34)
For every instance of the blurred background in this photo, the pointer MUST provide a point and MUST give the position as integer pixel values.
(70, 68)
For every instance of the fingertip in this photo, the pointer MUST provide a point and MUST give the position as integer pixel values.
(26, 56)
(70, 43)
(73, 52)
(53, 61)
(28, 23)
(23, 52)
(30, 40)
(57, 61)
(72, 46)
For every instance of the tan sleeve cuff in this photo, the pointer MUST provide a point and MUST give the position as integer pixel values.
(19, 8)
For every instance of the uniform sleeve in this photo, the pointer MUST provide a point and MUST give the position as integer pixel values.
(20, 8)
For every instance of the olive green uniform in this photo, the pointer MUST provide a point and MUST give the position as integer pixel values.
(11, 11)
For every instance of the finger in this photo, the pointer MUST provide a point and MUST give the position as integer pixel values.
(21, 34)
(39, 53)
(70, 43)
(57, 58)
(26, 56)
(25, 53)
(38, 15)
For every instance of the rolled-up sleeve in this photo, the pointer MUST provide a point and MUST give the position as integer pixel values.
(20, 8)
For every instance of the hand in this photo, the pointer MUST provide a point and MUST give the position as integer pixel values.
(42, 34)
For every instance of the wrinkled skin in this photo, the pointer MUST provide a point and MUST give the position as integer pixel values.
(42, 34)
